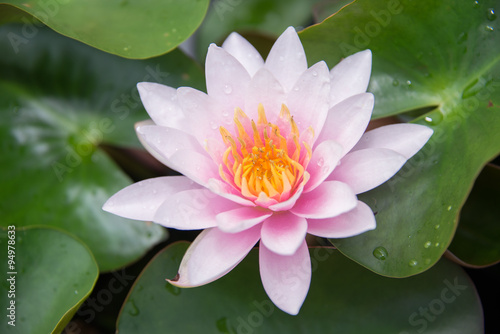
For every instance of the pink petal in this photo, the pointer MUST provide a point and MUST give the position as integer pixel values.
(224, 190)
(406, 139)
(167, 141)
(354, 222)
(350, 76)
(244, 52)
(264, 201)
(366, 169)
(266, 89)
(190, 161)
(284, 233)
(192, 209)
(203, 112)
(329, 199)
(141, 200)
(286, 279)
(240, 219)
(308, 100)
(213, 254)
(287, 60)
(347, 121)
(324, 160)
(162, 106)
(227, 80)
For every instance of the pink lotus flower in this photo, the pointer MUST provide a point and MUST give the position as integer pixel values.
(274, 151)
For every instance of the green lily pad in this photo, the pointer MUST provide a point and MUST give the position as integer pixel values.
(258, 18)
(441, 59)
(476, 242)
(50, 275)
(441, 300)
(60, 100)
(128, 28)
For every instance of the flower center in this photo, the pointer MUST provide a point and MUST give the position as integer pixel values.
(265, 157)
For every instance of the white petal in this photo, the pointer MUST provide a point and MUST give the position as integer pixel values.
(192, 209)
(162, 106)
(351, 76)
(354, 222)
(347, 121)
(242, 50)
(227, 80)
(324, 160)
(240, 219)
(329, 199)
(266, 89)
(308, 100)
(286, 279)
(141, 200)
(287, 60)
(366, 169)
(406, 139)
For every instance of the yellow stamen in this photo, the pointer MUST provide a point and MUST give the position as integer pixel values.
(258, 159)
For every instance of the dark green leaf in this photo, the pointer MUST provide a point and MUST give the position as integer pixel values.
(128, 28)
(477, 241)
(343, 298)
(60, 100)
(441, 57)
(52, 274)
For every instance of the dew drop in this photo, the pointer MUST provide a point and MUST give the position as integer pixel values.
(228, 89)
(427, 244)
(213, 125)
(434, 118)
(76, 292)
(449, 208)
(315, 74)
(437, 227)
(475, 4)
(321, 162)
(437, 244)
(408, 83)
(380, 253)
(488, 28)
(413, 263)
(491, 14)
(395, 83)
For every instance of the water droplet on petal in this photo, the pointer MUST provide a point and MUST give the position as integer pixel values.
(427, 244)
(413, 263)
(488, 28)
(321, 162)
(315, 74)
(213, 125)
(228, 89)
(380, 253)
(491, 14)
(296, 89)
